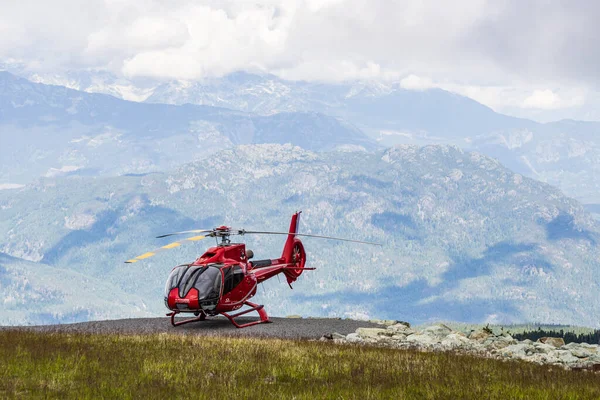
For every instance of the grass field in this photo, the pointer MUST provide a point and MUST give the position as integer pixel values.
(37, 365)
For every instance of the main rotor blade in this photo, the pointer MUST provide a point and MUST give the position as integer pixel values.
(307, 235)
(182, 232)
(164, 248)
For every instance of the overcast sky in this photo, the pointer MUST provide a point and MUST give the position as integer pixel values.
(533, 58)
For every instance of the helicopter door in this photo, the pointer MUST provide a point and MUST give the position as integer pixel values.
(233, 276)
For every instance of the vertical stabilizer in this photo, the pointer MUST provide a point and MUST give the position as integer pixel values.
(293, 251)
(289, 243)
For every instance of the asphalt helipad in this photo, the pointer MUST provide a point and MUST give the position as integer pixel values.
(288, 328)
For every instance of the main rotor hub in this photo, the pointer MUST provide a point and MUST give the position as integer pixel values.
(223, 232)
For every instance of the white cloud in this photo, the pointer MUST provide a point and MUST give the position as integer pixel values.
(467, 46)
(413, 82)
(543, 99)
(328, 39)
(548, 100)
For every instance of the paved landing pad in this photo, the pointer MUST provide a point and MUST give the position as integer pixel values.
(289, 328)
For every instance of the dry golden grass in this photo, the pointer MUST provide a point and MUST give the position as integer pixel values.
(38, 365)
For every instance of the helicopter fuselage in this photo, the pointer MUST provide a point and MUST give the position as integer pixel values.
(223, 279)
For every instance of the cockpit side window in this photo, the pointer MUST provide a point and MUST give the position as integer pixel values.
(233, 276)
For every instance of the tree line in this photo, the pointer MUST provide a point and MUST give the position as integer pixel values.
(568, 337)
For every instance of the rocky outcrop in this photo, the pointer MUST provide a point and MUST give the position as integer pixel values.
(552, 341)
(439, 337)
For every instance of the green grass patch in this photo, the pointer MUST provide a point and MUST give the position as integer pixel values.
(61, 365)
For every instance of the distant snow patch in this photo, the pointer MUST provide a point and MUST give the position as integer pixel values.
(5, 186)
(383, 134)
(350, 148)
(79, 221)
(52, 172)
(107, 137)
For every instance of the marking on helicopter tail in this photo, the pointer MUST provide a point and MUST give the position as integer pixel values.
(145, 255)
(133, 260)
(171, 245)
(194, 238)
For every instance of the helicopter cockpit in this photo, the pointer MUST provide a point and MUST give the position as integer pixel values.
(206, 279)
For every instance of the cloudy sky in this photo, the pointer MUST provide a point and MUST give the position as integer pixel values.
(534, 58)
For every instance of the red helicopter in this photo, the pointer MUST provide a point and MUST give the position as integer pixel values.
(223, 279)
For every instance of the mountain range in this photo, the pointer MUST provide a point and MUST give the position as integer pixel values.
(54, 130)
(463, 237)
(565, 153)
(88, 179)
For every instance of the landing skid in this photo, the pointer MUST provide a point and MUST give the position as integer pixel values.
(264, 318)
(200, 317)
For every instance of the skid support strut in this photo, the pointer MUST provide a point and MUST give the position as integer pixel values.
(199, 317)
(264, 318)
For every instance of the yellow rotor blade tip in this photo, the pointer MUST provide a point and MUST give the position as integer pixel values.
(194, 238)
(145, 255)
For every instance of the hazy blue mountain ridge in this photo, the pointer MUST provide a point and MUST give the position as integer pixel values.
(53, 130)
(36, 293)
(563, 153)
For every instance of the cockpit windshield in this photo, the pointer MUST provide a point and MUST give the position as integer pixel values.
(205, 278)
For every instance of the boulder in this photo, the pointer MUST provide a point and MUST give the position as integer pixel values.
(400, 328)
(542, 348)
(552, 341)
(423, 339)
(373, 333)
(518, 350)
(354, 338)
(563, 356)
(386, 322)
(499, 342)
(456, 340)
(399, 337)
(592, 348)
(581, 352)
(439, 331)
(479, 335)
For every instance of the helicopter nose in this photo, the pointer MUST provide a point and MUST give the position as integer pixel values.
(188, 302)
